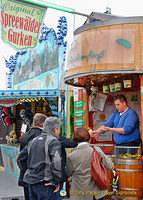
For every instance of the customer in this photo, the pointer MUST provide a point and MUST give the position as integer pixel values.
(124, 123)
(65, 143)
(44, 162)
(83, 186)
(33, 132)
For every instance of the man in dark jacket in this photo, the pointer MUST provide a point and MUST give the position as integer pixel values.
(33, 132)
(65, 143)
(43, 172)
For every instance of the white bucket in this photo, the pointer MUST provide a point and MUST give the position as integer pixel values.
(105, 88)
(127, 83)
(94, 90)
(118, 86)
(112, 87)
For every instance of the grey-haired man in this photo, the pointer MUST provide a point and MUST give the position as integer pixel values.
(44, 162)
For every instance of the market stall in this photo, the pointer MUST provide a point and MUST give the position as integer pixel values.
(30, 101)
(34, 85)
(105, 59)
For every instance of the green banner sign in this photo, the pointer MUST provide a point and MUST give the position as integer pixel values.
(79, 113)
(79, 122)
(79, 104)
(21, 23)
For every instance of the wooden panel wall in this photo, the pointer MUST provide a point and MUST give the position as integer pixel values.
(93, 41)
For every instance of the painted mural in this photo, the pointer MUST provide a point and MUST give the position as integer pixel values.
(36, 62)
(43, 67)
(9, 155)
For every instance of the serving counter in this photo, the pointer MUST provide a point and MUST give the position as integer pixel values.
(9, 156)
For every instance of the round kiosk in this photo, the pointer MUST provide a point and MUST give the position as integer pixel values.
(106, 59)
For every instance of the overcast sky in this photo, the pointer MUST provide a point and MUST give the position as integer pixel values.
(121, 8)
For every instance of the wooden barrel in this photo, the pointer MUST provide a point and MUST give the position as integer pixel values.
(130, 177)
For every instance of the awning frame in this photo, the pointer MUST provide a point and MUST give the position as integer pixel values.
(18, 94)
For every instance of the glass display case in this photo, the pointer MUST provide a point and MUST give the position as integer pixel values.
(127, 152)
(108, 149)
(121, 152)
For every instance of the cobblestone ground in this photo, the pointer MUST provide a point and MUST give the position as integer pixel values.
(9, 190)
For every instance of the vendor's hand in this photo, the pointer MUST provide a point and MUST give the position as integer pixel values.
(99, 130)
(94, 133)
(105, 128)
(57, 188)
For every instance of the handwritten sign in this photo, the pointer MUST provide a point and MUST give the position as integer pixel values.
(79, 113)
(79, 104)
(79, 122)
(21, 24)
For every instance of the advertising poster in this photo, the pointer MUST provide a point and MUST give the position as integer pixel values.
(21, 24)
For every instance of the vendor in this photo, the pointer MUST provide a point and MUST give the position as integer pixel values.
(124, 122)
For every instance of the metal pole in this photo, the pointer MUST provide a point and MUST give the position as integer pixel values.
(54, 6)
(82, 14)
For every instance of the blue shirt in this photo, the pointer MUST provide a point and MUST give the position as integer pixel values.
(129, 121)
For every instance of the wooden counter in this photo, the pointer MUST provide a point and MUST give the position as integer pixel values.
(9, 156)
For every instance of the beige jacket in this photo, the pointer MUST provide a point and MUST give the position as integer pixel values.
(83, 186)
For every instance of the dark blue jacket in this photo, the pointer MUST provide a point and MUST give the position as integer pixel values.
(25, 139)
(65, 143)
(29, 135)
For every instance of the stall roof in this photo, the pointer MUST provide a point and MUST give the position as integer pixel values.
(18, 94)
(97, 16)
